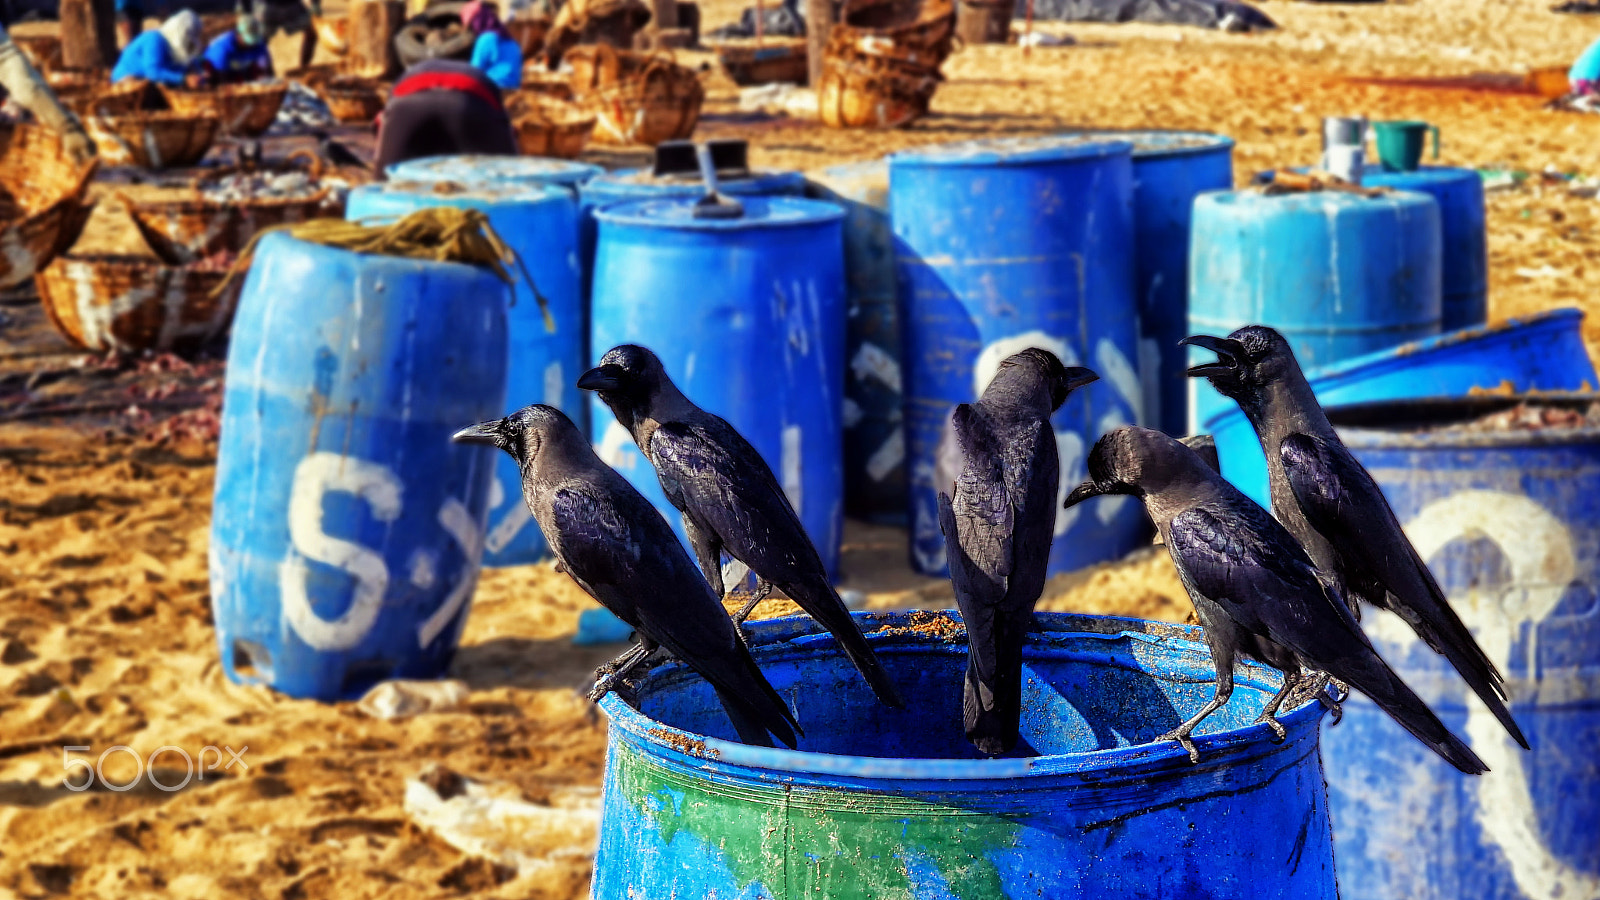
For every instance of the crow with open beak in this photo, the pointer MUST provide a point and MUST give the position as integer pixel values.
(1329, 502)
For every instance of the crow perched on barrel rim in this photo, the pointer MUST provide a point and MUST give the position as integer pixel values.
(1330, 503)
(1253, 587)
(997, 531)
(729, 499)
(616, 546)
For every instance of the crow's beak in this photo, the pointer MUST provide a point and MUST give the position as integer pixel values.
(602, 378)
(1230, 351)
(1081, 493)
(1078, 376)
(481, 433)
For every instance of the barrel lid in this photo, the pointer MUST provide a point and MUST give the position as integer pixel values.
(759, 212)
(494, 169)
(1158, 143)
(1464, 423)
(646, 181)
(1320, 202)
(1012, 151)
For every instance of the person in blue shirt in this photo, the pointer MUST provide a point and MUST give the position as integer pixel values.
(1585, 73)
(166, 55)
(495, 51)
(241, 54)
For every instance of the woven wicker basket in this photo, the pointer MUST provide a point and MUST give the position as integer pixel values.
(546, 126)
(134, 303)
(333, 33)
(245, 110)
(636, 98)
(43, 201)
(864, 91)
(529, 34)
(535, 80)
(919, 31)
(353, 99)
(153, 140)
(189, 229)
(42, 50)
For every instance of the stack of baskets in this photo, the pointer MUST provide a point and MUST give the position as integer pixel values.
(881, 64)
(43, 201)
(352, 98)
(130, 304)
(636, 98)
(548, 125)
(244, 110)
(189, 229)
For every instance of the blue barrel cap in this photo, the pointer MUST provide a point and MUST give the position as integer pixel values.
(1012, 151)
(759, 212)
(1158, 143)
(759, 181)
(494, 170)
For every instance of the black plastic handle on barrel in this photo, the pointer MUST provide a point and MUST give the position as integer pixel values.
(713, 205)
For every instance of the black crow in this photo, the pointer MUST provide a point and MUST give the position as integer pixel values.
(1253, 587)
(729, 499)
(1330, 503)
(616, 546)
(998, 527)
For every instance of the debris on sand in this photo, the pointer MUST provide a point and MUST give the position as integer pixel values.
(402, 698)
(497, 825)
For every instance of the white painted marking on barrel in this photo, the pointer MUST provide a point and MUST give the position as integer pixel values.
(554, 384)
(927, 541)
(316, 476)
(988, 362)
(506, 530)
(616, 448)
(1070, 449)
(497, 493)
(1113, 365)
(1540, 550)
(688, 367)
(457, 522)
(792, 486)
(851, 414)
(872, 361)
(422, 569)
(887, 457)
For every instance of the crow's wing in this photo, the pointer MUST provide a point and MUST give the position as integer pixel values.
(977, 535)
(1240, 557)
(1033, 480)
(728, 488)
(1342, 502)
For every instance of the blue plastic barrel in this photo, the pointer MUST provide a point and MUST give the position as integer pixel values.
(346, 528)
(1339, 274)
(1002, 245)
(540, 223)
(1543, 352)
(1507, 521)
(880, 802)
(874, 420)
(475, 170)
(1464, 237)
(1170, 169)
(747, 316)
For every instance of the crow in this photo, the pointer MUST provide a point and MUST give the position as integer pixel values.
(1330, 503)
(1253, 587)
(337, 153)
(997, 531)
(729, 499)
(619, 549)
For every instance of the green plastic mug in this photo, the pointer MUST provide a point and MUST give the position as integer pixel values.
(1400, 143)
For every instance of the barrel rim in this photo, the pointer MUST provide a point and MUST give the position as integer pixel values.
(1217, 142)
(1067, 148)
(1393, 197)
(1140, 762)
(633, 213)
(1384, 361)
(1430, 174)
(617, 179)
(556, 171)
(1356, 436)
(270, 237)
(483, 192)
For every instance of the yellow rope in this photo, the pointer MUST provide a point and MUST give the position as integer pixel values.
(439, 233)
